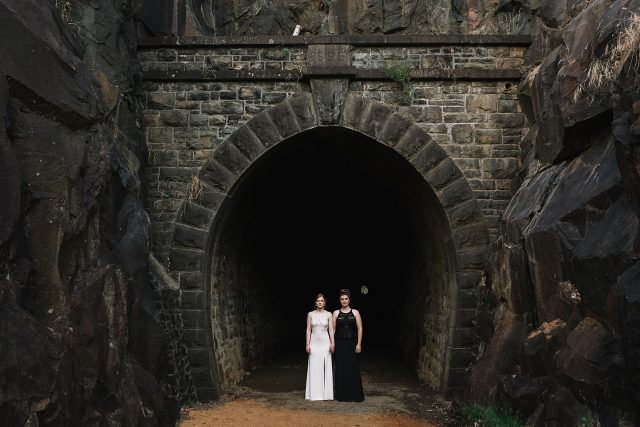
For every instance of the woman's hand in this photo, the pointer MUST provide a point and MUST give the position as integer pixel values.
(358, 348)
(308, 348)
(332, 348)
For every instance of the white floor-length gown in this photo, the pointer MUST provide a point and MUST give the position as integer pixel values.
(319, 370)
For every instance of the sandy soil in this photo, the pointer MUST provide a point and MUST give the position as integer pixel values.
(273, 395)
(249, 412)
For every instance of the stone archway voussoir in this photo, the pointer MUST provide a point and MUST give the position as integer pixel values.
(185, 259)
(189, 237)
(196, 215)
(247, 143)
(464, 214)
(374, 119)
(455, 193)
(471, 258)
(283, 119)
(302, 108)
(233, 160)
(264, 129)
(354, 108)
(217, 176)
(443, 174)
(470, 236)
(394, 130)
(413, 141)
(428, 157)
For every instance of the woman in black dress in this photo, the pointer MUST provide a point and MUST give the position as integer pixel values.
(348, 340)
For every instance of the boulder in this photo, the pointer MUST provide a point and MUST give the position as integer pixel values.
(523, 392)
(499, 356)
(590, 357)
(541, 346)
(560, 408)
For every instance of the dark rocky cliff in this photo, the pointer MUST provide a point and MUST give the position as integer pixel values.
(271, 17)
(561, 314)
(78, 341)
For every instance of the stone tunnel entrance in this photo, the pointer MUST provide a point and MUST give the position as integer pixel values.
(326, 209)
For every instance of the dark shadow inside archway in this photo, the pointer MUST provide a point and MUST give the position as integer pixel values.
(330, 209)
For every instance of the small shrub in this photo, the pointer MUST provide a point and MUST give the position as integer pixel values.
(589, 420)
(489, 416)
(64, 7)
(401, 73)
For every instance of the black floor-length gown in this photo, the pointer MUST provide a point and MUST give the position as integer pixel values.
(348, 387)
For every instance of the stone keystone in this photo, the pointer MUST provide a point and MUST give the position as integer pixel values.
(329, 97)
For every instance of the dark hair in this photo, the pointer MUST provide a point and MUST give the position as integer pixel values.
(346, 292)
(318, 296)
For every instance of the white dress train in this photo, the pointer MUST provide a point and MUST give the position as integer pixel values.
(319, 370)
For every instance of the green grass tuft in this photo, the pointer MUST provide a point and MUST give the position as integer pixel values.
(489, 416)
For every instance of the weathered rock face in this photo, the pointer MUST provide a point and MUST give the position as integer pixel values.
(75, 300)
(564, 340)
(271, 17)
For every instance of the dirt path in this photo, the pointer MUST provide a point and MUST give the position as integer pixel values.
(273, 395)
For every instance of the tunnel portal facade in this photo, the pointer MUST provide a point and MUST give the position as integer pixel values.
(263, 192)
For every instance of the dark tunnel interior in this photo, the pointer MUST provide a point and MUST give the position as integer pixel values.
(325, 210)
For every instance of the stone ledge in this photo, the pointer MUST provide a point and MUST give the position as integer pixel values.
(355, 40)
(219, 76)
(325, 72)
(444, 74)
(330, 71)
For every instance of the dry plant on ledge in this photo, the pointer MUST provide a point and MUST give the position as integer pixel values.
(623, 53)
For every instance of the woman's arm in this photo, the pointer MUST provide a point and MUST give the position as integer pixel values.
(331, 334)
(333, 321)
(356, 313)
(308, 347)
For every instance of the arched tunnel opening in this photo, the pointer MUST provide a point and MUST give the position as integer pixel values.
(329, 209)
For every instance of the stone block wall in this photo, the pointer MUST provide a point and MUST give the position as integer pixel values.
(429, 57)
(184, 123)
(478, 123)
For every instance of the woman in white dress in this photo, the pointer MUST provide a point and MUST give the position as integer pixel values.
(319, 347)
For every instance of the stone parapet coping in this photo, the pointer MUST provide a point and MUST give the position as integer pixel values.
(354, 40)
(348, 72)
